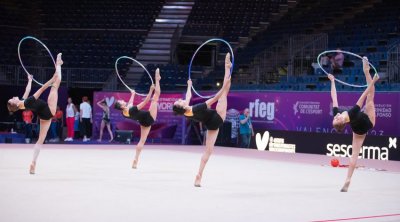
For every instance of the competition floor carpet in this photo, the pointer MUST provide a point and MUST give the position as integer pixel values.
(96, 183)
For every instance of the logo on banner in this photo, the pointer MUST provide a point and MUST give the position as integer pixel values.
(165, 103)
(259, 109)
(383, 110)
(307, 108)
(392, 142)
(366, 152)
(262, 142)
(274, 144)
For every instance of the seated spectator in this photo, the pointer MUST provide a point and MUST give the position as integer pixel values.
(337, 61)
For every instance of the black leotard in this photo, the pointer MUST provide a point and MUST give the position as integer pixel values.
(209, 117)
(359, 121)
(38, 106)
(106, 117)
(143, 117)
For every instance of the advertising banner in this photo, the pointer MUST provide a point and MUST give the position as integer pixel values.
(301, 121)
(166, 127)
(312, 111)
(335, 145)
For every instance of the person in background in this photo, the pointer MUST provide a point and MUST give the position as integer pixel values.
(70, 112)
(85, 118)
(60, 123)
(232, 116)
(337, 61)
(105, 121)
(27, 117)
(90, 133)
(77, 126)
(325, 63)
(56, 122)
(203, 133)
(246, 128)
(12, 119)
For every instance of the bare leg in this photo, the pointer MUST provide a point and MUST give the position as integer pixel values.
(223, 100)
(110, 132)
(369, 104)
(144, 132)
(154, 101)
(45, 86)
(366, 69)
(101, 130)
(210, 142)
(370, 107)
(53, 80)
(53, 96)
(44, 127)
(358, 141)
(221, 95)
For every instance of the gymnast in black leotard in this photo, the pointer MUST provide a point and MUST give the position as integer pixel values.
(360, 122)
(210, 118)
(143, 117)
(45, 111)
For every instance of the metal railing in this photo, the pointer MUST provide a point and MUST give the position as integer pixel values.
(265, 65)
(293, 55)
(393, 63)
(71, 77)
(174, 42)
(303, 51)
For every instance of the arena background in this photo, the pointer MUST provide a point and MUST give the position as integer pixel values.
(281, 177)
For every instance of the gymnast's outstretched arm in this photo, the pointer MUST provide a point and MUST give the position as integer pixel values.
(333, 91)
(130, 102)
(28, 87)
(188, 92)
(99, 103)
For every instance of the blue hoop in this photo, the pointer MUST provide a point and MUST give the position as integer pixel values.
(20, 59)
(348, 53)
(140, 64)
(194, 55)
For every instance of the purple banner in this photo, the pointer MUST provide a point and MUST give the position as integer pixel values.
(289, 111)
(312, 111)
(166, 127)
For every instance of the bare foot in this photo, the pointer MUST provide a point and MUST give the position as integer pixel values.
(158, 77)
(228, 66)
(376, 78)
(345, 186)
(365, 63)
(59, 60)
(111, 140)
(134, 165)
(32, 168)
(197, 182)
(228, 63)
